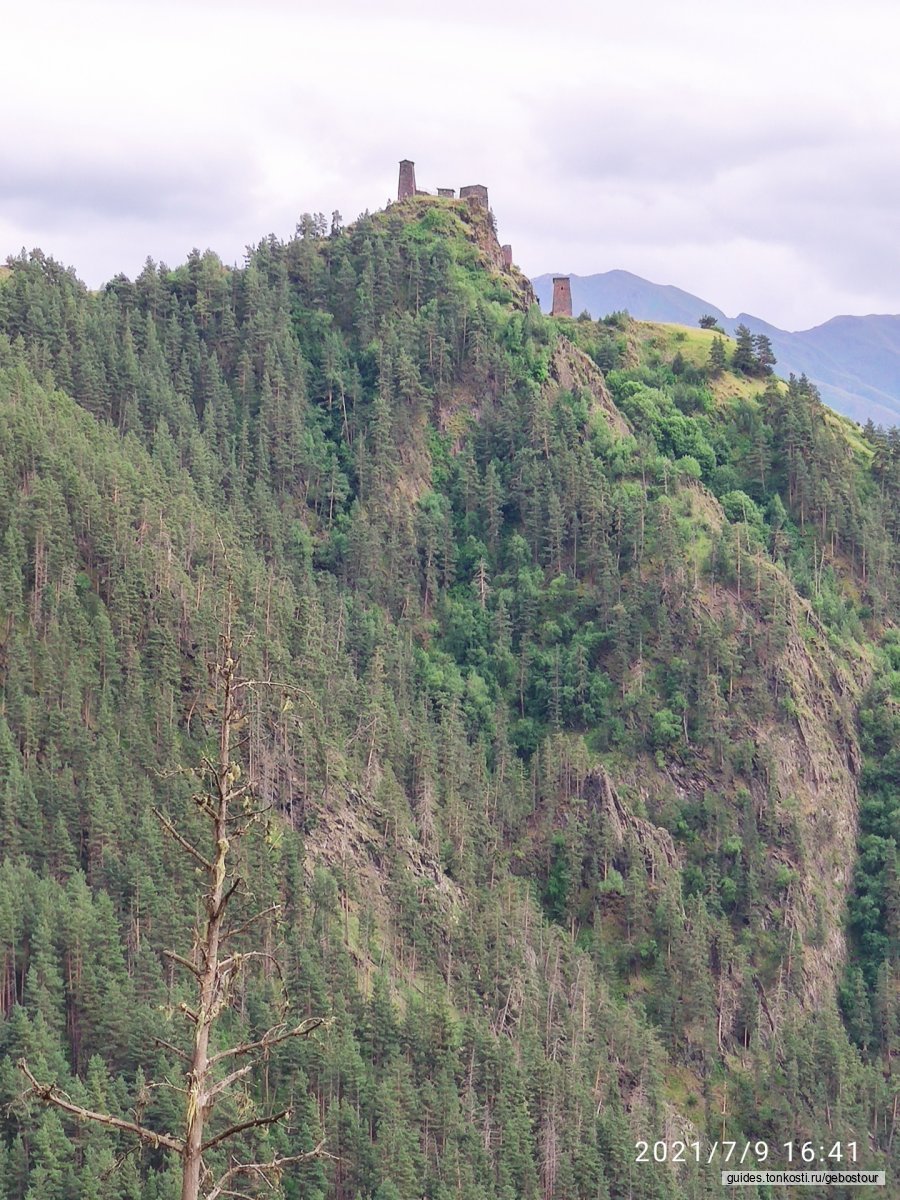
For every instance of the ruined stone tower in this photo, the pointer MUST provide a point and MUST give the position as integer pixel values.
(476, 194)
(506, 251)
(562, 297)
(407, 185)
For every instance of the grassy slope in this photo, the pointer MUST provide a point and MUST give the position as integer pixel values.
(662, 342)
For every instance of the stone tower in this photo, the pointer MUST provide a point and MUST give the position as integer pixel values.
(562, 297)
(407, 185)
(476, 194)
(506, 251)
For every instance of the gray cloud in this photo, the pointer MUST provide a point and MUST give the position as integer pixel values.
(739, 155)
(693, 145)
(51, 194)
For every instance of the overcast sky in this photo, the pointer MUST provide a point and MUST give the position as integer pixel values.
(747, 153)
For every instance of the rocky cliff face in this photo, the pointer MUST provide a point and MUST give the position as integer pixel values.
(810, 769)
(482, 224)
(572, 370)
(800, 770)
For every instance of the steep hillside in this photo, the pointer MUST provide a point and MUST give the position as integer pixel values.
(562, 647)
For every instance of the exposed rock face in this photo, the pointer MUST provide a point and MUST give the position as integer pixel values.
(572, 370)
(350, 828)
(656, 844)
(813, 762)
(484, 232)
(507, 255)
(803, 784)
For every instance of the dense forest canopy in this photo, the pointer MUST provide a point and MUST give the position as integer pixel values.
(578, 732)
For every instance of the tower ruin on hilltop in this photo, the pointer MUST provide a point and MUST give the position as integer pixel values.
(474, 194)
(407, 184)
(562, 296)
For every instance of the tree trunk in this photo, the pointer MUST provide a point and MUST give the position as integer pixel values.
(210, 984)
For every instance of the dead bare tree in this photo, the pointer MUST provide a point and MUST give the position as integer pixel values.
(231, 809)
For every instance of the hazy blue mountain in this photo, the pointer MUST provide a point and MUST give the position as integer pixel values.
(854, 361)
(616, 290)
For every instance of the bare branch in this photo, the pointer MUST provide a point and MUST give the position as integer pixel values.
(246, 924)
(224, 901)
(234, 1130)
(48, 1093)
(201, 799)
(235, 961)
(119, 1162)
(167, 1083)
(228, 1081)
(242, 821)
(238, 793)
(174, 1049)
(209, 764)
(185, 962)
(260, 1168)
(273, 1037)
(182, 841)
(284, 687)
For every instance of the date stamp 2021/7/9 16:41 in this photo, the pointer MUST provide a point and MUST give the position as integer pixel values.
(750, 1154)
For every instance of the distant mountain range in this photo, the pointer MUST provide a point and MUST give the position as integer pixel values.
(854, 361)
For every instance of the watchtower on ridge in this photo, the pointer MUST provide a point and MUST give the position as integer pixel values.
(407, 184)
(562, 296)
(476, 194)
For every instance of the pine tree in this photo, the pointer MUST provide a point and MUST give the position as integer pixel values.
(743, 358)
(717, 360)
